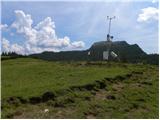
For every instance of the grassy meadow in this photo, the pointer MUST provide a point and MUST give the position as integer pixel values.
(33, 88)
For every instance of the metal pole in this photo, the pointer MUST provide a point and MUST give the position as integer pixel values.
(110, 19)
(109, 25)
(108, 36)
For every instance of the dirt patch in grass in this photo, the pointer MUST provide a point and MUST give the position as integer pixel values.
(101, 95)
(90, 116)
(118, 87)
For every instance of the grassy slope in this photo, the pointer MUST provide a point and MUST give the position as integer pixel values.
(135, 97)
(30, 77)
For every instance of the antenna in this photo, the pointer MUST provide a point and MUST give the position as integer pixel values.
(109, 29)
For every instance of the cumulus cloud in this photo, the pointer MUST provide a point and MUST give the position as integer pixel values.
(41, 37)
(23, 25)
(78, 44)
(17, 48)
(149, 13)
(23, 21)
(7, 47)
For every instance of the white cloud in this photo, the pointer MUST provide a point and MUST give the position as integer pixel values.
(7, 47)
(41, 37)
(46, 25)
(17, 48)
(149, 13)
(3, 26)
(22, 22)
(23, 25)
(78, 44)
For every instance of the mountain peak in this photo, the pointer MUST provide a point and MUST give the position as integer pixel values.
(103, 43)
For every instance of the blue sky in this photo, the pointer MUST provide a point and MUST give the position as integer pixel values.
(87, 22)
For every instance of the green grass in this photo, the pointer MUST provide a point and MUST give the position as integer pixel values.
(30, 77)
(135, 97)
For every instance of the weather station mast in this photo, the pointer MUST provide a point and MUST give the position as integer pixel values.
(109, 38)
(106, 54)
